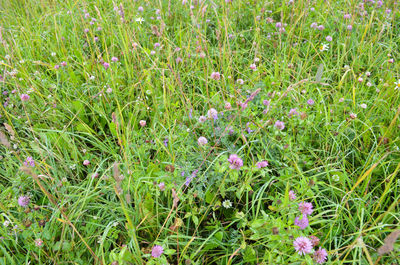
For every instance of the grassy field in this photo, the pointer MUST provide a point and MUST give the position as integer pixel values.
(199, 132)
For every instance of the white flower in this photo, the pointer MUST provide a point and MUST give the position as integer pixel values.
(324, 47)
(6, 223)
(397, 84)
(227, 204)
(140, 20)
(53, 54)
(363, 105)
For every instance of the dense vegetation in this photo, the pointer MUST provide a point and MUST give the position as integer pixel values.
(199, 132)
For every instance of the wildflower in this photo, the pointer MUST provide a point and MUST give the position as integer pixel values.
(142, 123)
(228, 106)
(314, 25)
(109, 90)
(63, 63)
(267, 102)
(302, 245)
(235, 162)
(106, 65)
(328, 38)
(360, 79)
(363, 105)
(293, 112)
(240, 81)
(86, 30)
(140, 20)
(38, 242)
(216, 75)
(280, 125)
(6, 223)
(397, 84)
(157, 45)
(368, 74)
(278, 25)
(349, 27)
(391, 60)
(161, 186)
(321, 27)
(262, 164)
(320, 255)
(86, 162)
(256, 59)
(253, 67)
(302, 223)
(56, 66)
(152, 52)
(25, 97)
(114, 59)
(227, 204)
(292, 195)
(202, 119)
(347, 16)
(212, 114)
(324, 47)
(179, 60)
(29, 162)
(353, 116)
(310, 102)
(23, 201)
(314, 241)
(369, 84)
(202, 141)
(306, 208)
(53, 54)
(165, 142)
(157, 251)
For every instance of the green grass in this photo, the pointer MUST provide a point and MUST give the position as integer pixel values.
(113, 209)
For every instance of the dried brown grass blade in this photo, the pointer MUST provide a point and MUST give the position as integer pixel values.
(389, 242)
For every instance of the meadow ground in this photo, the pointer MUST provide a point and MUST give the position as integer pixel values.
(199, 132)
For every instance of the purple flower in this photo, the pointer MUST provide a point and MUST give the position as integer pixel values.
(114, 59)
(321, 27)
(280, 125)
(29, 162)
(106, 65)
(161, 186)
(302, 245)
(63, 63)
(157, 251)
(202, 119)
(320, 255)
(24, 201)
(165, 142)
(302, 223)
(347, 16)
(328, 38)
(202, 141)
(306, 208)
(314, 25)
(267, 102)
(310, 102)
(293, 112)
(292, 195)
(278, 25)
(56, 66)
(349, 27)
(25, 97)
(235, 161)
(262, 164)
(86, 162)
(212, 114)
(216, 75)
